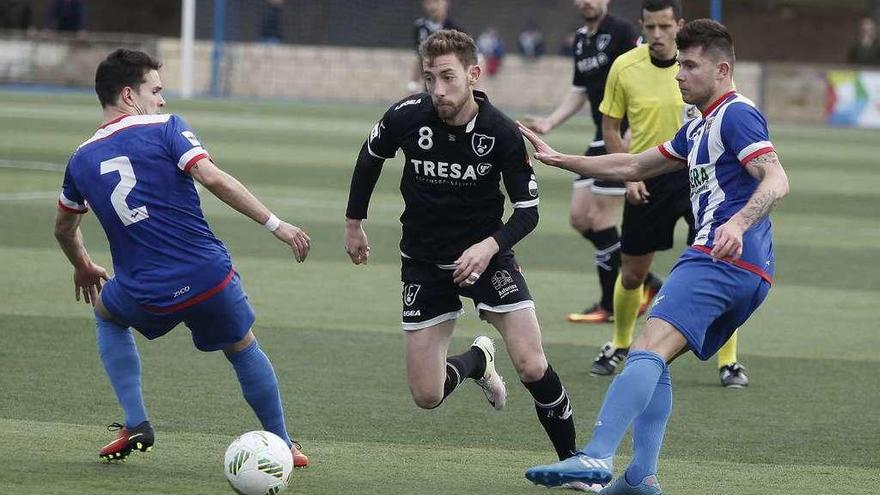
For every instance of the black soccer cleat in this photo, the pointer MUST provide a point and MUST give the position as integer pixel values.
(608, 360)
(138, 438)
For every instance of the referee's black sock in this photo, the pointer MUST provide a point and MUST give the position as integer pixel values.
(554, 412)
(607, 244)
(471, 364)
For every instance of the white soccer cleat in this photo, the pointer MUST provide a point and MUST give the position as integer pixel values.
(492, 383)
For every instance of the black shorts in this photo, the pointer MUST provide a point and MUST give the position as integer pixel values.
(601, 187)
(430, 297)
(651, 227)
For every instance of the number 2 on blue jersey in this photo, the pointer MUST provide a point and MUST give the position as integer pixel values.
(127, 181)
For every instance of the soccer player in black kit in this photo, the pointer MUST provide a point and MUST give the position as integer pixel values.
(595, 203)
(458, 148)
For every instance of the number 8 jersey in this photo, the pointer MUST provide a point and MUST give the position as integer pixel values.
(133, 173)
(451, 178)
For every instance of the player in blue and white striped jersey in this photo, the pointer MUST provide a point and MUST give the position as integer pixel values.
(735, 181)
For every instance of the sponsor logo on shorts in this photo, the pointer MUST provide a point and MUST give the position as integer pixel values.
(409, 294)
(412, 312)
(503, 283)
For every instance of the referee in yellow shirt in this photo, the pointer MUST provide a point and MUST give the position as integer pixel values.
(641, 86)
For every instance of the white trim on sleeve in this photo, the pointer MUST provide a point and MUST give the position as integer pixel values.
(527, 204)
(370, 150)
(189, 155)
(669, 149)
(73, 205)
(748, 150)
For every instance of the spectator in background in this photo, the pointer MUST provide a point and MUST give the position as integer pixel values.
(566, 49)
(865, 50)
(67, 16)
(436, 18)
(270, 22)
(16, 14)
(531, 41)
(492, 48)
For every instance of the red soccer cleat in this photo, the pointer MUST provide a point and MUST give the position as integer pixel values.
(300, 460)
(140, 438)
(594, 314)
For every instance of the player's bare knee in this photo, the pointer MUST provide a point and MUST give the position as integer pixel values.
(530, 368)
(241, 344)
(600, 219)
(426, 400)
(579, 222)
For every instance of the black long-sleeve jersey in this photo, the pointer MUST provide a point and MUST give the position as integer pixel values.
(593, 55)
(451, 178)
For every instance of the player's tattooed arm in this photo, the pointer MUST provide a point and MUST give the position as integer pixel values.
(772, 188)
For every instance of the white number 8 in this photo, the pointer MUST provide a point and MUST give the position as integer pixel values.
(120, 193)
(425, 135)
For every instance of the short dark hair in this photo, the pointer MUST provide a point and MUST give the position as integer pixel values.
(657, 5)
(448, 41)
(708, 34)
(122, 68)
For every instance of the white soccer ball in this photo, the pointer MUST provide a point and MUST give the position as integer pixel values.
(258, 463)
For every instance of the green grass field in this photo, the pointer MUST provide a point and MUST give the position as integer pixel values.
(809, 422)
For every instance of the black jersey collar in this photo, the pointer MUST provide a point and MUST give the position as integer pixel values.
(656, 62)
(481, 100)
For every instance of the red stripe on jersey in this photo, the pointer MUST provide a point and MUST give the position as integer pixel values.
(755, 154)
(745, 265)
(667, 154)
(717, 102)
(204, 296)
(68, 209)
(192, 161)
(117, 119)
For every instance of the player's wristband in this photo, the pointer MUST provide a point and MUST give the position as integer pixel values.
(272, 223)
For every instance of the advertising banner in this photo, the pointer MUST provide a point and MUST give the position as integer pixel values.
(853, 98)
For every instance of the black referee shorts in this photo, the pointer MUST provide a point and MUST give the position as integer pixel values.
(430, 297)
(651, 227)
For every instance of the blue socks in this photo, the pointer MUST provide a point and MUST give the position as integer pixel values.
(123, 366)
(648, 430)
(626, 399)
(260, 388)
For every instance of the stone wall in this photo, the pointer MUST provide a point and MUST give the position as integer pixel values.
(376, 75)
(786, 92)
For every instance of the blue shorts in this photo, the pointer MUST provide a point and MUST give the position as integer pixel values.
(708, 300)
(217, 322)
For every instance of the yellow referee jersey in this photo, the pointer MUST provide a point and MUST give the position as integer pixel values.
(647, 95)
